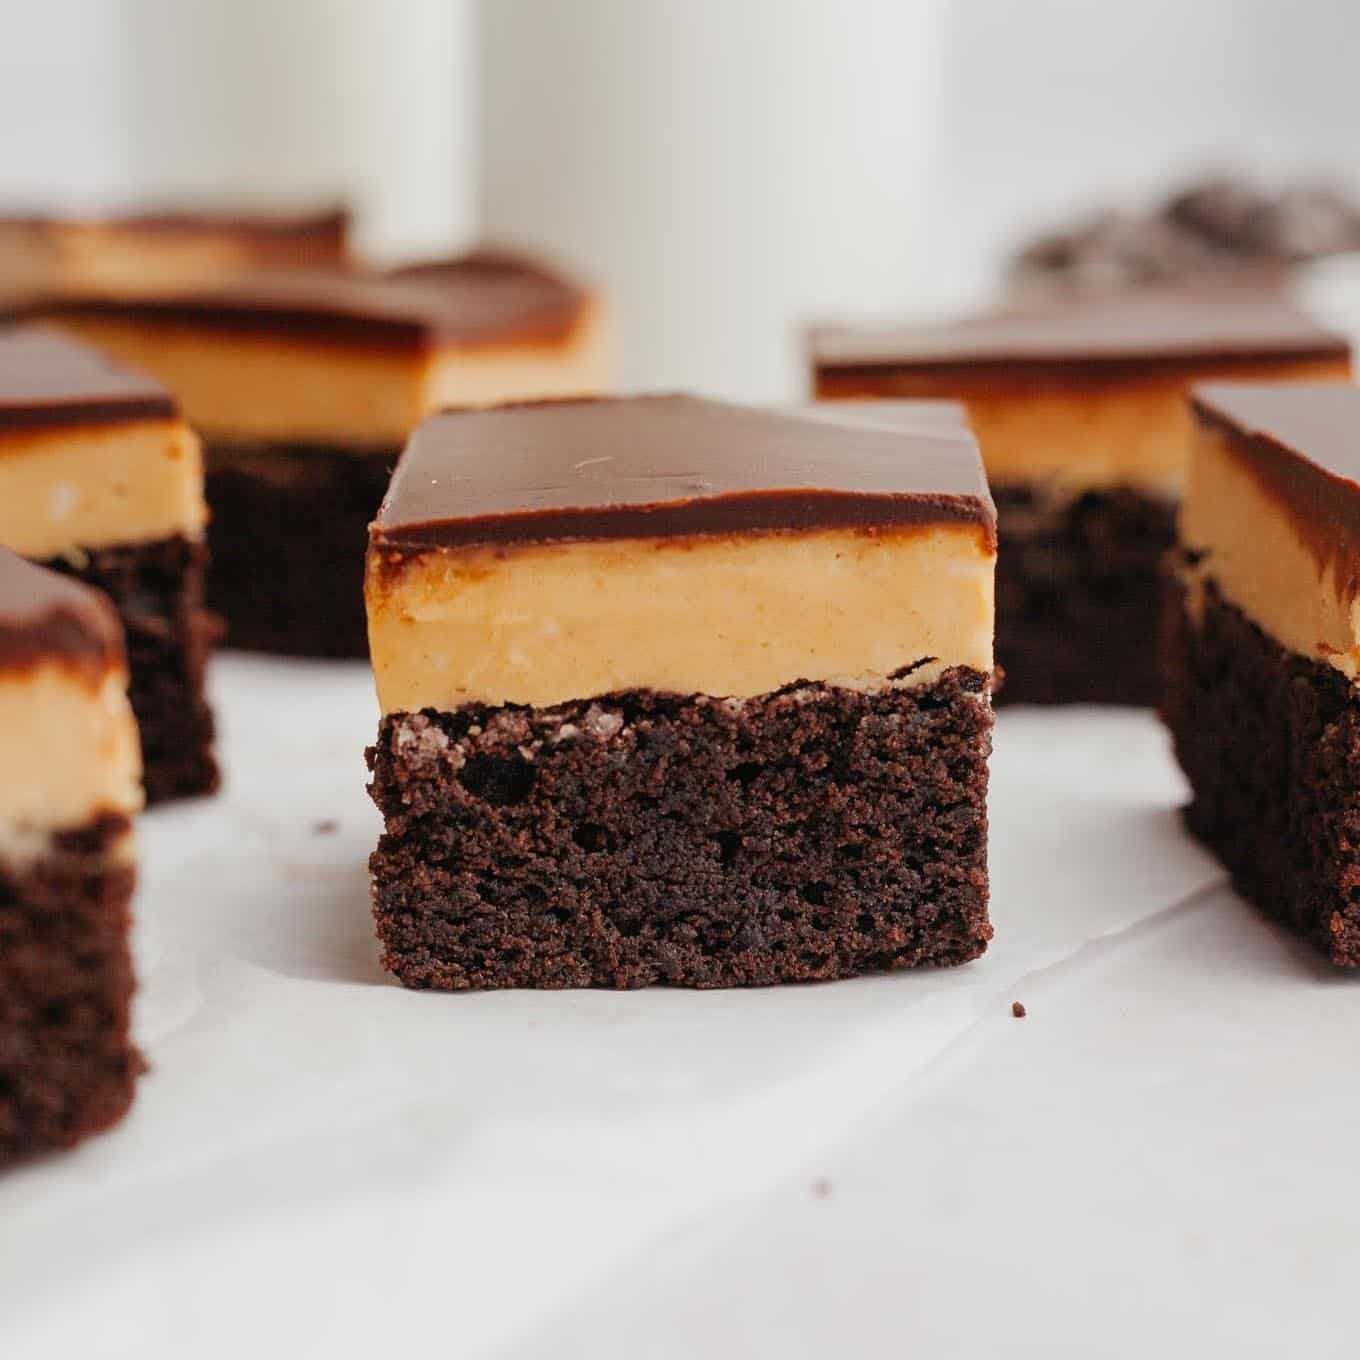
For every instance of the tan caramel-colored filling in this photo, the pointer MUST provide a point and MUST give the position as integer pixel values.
(94, 486)
(68, 749)
(1085, 432)
(97, 259)
(725, 616)
(248, 386)
(28, 267)
(1254, 553)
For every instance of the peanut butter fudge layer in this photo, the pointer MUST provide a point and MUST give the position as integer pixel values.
(304, 387)
(1081, 415)
(68, 749)
(101, 479)
(134, 254)
(1261, 650)
(676, 691)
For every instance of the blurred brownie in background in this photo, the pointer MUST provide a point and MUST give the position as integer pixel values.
(305, 384)
(1081, 414)
(1261, 650)
(676, 691)
(1223, 230)
(68, 749)
(153, 252)
(921, 416)
(100, 478)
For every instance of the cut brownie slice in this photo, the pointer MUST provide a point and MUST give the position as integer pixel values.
(152, 252)
(1261, 650)
(68, 749)
(1080, 411)
(305, 385)
(676, 691)
(101, 478)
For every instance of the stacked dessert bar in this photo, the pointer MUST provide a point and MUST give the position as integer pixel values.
(1081, 415)
(678, 691)
(46, 257)
(304, 386)
(68, 749)
(1261, 650)
(100, 478)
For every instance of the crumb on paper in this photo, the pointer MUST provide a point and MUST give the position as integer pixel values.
(326, 826)
(1018, 1010)
(822, 1189)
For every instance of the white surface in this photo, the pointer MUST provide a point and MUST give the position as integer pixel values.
(323, 1164)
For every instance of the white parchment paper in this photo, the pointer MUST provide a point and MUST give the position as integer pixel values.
(1159, 1159)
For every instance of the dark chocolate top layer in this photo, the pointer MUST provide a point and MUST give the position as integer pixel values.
(921, 415)
(1302, 441)
(1126, 328)
(662, 466)
(471, 298)
(48, 617)
(47, 378)
(1317, 423)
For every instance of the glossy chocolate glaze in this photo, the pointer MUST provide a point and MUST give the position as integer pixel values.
(476, 298)
(1146, 326)
(1301, 442)
(664, 466)
(47, 378)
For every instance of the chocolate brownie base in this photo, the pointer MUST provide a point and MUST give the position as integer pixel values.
(288, 535)
(157, 589)
(810, 833)
(1270, 742)
(67, 1065)
(1077, 595)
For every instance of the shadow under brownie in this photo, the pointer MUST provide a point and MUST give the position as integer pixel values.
(737, 818)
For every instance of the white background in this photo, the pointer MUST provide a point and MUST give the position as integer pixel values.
(725, 167)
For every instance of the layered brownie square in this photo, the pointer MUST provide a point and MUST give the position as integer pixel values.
(1261, 650)
(1081, 415)
(68, 749)
(101, 479)
(304, 387)
(681, 692)
(152, 252)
